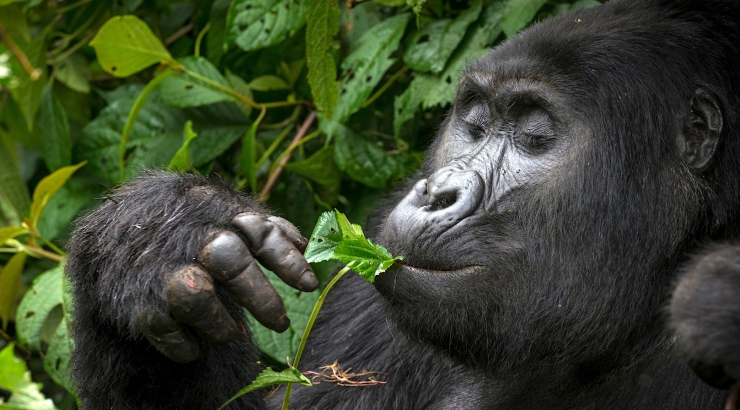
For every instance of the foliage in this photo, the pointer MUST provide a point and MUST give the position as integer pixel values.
(308, 104)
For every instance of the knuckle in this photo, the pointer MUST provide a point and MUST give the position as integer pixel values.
(225, 256)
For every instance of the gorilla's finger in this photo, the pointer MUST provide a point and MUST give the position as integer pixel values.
(192, 300)
(290, 231)
(229, 261)
(273, 248)
(171, 339)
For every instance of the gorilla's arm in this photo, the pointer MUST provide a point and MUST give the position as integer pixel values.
(705, 312)
(159, 271)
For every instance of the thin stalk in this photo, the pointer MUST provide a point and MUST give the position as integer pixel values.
(34, 73)
(273, 146)
(179, 33)
(307, 330)
(134, 113)
(385, 86)
(285, 156)
(199, 39)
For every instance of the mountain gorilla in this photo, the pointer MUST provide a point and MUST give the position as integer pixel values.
(570, 243)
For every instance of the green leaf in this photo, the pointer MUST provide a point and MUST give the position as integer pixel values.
(28, 92)
(248, 157)
(183, 91)
(57, 137)
(75, 73)
(240, 86)
(324, 239)
(298, 306)
(47, 187)
(364, 67)
(154, 139)
(433, 45)
(321, 27)
(15, 377)
(319, 167)
(10, 232)
(125, 45)
(14, 198)
(65, 204)
(268, 378)
(584, 4)
(47, 305)
(215, 40)
(334, 237)
(369, 163)
(10, 279)
(181, 160)
(268, 83)
(255, 24)
(518, 13)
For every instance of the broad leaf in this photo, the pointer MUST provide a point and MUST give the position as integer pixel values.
(10, 232)
(125, 45)
(324, 239)
(518, 13)
(154, 139)
(368, 163)
(319, 167)
(322, 25)
(268, 83)
(298, 307)
(240, 86)
(255, 24)
(181, 160)
(334, 237)
(10, 279)
(183, 91)
(66, 203)
(46, 189)
(15, 377)
(364, 67)
(268, 378)
(57, 137)
(14, 198)
(432, 46)
(75, 73)
(45, 310)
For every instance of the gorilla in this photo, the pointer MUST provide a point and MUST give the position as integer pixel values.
(571, 242)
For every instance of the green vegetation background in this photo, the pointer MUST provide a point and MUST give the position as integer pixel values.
(308, 104)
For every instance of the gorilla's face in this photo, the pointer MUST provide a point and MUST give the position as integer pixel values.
(548, 213)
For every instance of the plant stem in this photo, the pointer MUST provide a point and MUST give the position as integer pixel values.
(385, 86)
(273, 146)
(138, 105)
(199, 39)
(34, 73)
(286, 156)
(307, 330)
(179, 33)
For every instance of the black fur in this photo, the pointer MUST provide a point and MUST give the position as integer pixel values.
(574, 269)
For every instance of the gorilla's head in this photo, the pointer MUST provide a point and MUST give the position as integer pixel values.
(579, 164)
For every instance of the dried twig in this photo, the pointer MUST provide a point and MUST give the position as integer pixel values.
(274, 176)
(334, 373)
(179, 33)
(34, 73)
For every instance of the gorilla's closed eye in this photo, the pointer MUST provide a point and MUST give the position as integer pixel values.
(477, 121)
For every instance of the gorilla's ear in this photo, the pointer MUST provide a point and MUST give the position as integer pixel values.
(702, 129)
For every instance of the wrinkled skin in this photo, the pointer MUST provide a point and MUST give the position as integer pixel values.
(572, 242)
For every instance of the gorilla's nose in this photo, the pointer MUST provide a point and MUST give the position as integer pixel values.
(437, 203)
(454, 192)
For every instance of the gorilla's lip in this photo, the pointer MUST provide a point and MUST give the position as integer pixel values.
(420, 271)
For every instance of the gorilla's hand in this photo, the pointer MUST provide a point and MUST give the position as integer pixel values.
(705, 312)
(169, 254)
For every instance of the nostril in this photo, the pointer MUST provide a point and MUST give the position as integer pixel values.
(442, 200)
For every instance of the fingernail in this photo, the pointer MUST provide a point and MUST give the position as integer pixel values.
(308, 281)
(283, 324)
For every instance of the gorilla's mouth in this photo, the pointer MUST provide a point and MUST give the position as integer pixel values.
(413, 270)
